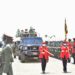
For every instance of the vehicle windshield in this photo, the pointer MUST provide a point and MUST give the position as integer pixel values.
(32, 40)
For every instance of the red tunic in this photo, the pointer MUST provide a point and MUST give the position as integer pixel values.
(65, 52)
(43, 53)
(69, 45)
(73, 48)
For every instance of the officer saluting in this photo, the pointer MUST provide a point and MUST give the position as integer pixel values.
(44, 55)
(65, 55)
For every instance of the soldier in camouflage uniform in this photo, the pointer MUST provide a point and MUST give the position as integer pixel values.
(1, 67)
(15, 49)
(7, 56)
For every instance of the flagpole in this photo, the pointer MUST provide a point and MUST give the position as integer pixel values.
(65, 37)
(66, 31)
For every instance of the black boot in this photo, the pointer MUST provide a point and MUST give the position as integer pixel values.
(43, 72)
(65, 71)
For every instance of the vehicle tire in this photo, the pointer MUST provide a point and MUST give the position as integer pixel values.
(22, 58)
(19, 57)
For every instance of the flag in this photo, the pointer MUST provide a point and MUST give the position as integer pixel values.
(66, 30)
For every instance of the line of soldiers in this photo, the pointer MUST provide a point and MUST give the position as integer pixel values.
(71, 46)
(67, 49)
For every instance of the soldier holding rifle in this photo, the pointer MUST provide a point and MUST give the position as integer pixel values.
(44, 55)
(65, 55)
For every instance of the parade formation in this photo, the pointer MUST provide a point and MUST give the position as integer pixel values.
(31, 47)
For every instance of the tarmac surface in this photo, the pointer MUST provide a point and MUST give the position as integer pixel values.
(54, 67)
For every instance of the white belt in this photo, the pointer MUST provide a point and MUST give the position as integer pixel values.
(65, 51)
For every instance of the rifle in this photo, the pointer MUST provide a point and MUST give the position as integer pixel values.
(49, 52)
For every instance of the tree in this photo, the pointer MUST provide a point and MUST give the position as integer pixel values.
(18, 33)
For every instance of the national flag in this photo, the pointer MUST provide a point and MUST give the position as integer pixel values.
(66, 30)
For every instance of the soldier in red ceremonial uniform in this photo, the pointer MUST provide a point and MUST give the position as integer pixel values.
(70, 48)
(69, 44)
(73, 50)
(65, 55)
(44, 55)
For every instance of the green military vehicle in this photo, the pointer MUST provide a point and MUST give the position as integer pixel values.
(54, 47)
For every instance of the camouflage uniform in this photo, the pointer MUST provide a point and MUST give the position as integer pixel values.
(7, 60)
(1, 66)
(15, 49)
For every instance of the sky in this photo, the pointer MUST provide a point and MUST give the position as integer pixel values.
(46, 16)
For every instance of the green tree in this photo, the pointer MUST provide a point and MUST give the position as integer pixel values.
(18, 33)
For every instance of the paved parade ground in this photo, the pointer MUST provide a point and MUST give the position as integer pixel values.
(54, 67)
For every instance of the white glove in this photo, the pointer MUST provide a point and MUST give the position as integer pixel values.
(4, 74)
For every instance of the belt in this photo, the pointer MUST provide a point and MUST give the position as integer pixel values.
(65, 51)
